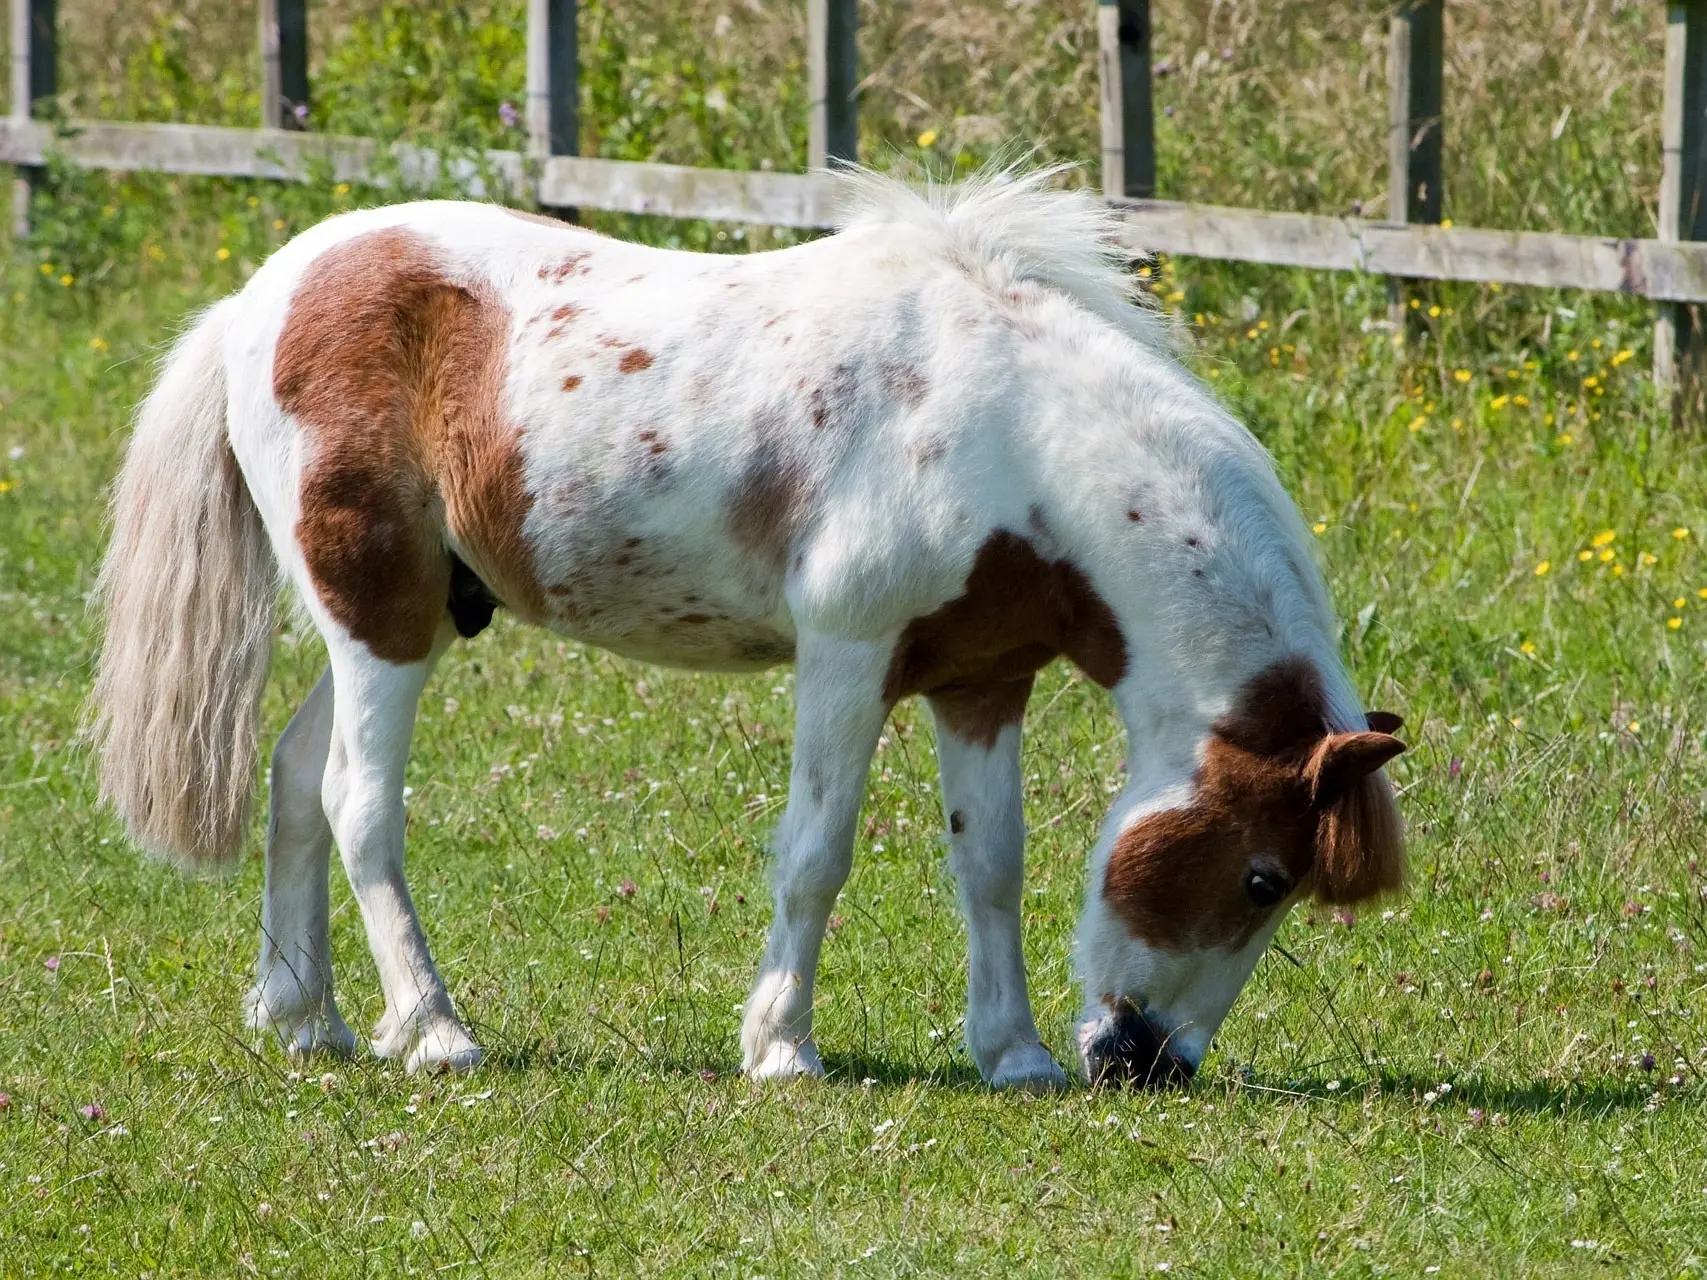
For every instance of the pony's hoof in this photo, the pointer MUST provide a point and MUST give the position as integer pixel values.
(301, 1032)
(444, 1048)
(1028, 1068)
(785, 1060)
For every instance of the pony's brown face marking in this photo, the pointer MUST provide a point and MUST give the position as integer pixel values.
(976, 655)
(396, 375)
(1279, 805)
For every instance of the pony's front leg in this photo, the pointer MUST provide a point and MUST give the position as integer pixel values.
(978, 752)
(292, 995)
(839, 714)
(373, 719)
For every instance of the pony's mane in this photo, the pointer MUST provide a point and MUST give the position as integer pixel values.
(1008, 225)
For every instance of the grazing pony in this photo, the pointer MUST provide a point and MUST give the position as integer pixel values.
(925, 455)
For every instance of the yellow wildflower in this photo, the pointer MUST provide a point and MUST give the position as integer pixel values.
(1528, 646)
(97, 343)
(5, 486)
(1522, 402)
(1462, 375)
(1622, 356)
(1617, 571)
(1445, 223)
(1591, 382)
(1434, 313)
(1702, 592)
(1647, 558)
(1679, 602)
(1499, 402)
(1458, 424)
(1415, 304)
(1178, 295)
(278, 224)
(1262, 324)
(1680, 533)
(1585, 554)
(222, 253)
(1635, 726)
(1541, 569)
(342, 189)
(1607, 555)
(1571, 355)
(253, 202)
(928, 138)
(1321, 526)
(67, 279)
(1605, 538)
(1674, 623)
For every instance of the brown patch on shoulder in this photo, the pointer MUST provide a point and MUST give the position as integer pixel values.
(565, 316)
(572, 381)
(1018, 611)
(634, 360)
(1278, 790)
(396, 374)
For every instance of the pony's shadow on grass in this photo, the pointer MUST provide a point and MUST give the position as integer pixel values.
(842, 1070)
(1535, 1097)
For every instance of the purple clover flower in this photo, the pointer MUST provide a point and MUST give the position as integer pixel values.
(509, 115)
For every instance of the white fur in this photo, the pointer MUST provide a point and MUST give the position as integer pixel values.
(979, 356)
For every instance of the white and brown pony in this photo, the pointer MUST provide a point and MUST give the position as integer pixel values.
(926, 455)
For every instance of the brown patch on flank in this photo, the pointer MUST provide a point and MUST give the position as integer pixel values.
(653, 444)
(572, 381)
(397, 376)
(925, 452)
(634, 360)
(975, 656)
(1135, 516)
(1278, 790)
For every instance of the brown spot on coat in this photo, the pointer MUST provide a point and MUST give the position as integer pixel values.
(575, 264)
(572, 381)
(1275, 786)
(765, 512)
(396, 374)
(905, 383)
(976, 655)
(634, 360)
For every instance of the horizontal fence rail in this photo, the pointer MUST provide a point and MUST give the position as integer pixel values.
(1663, 271)
(1414, 243)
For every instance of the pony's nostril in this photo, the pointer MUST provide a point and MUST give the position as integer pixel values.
(1127, 1048)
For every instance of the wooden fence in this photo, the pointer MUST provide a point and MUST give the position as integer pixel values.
(1670, 269)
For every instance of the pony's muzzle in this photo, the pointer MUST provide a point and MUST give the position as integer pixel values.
(1125, 1047)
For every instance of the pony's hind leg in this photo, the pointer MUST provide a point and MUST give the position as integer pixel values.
(978, 751)
(839, 714)
(373, 720)
(292, 995)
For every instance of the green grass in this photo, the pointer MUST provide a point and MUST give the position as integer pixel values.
(1555, 931)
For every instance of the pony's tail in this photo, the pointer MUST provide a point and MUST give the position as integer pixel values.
(188, 586)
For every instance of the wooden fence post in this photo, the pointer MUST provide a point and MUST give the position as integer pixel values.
(1415, 58)
(832, 74)
(553, 85)
(1678, 338)
(284, 64)
(1128, 113)
(35, 71)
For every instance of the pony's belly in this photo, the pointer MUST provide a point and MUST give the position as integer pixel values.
(727, 646)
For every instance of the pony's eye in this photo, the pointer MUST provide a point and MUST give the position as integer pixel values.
(1266, 887)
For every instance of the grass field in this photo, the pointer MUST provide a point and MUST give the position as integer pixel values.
(1501, 1072)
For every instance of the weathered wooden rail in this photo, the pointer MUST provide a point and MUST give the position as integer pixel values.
(1410, 243)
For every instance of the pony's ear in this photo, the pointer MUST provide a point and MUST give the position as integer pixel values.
(1384, 722)
(1344, 759)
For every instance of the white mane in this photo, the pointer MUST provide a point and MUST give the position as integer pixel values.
(1009, 226)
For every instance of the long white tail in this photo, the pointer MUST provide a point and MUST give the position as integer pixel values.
(188, 587)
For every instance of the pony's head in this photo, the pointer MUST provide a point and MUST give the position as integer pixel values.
(1198, 873)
